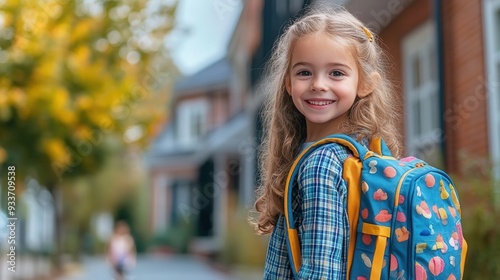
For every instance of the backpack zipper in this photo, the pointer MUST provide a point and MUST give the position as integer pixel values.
(411, 269)
(400, 183)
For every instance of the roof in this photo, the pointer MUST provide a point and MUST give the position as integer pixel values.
(214, 76)
(165, 151)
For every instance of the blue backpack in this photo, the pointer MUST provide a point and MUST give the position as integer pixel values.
(404, 216)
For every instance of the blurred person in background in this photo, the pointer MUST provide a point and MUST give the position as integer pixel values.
(121, 253)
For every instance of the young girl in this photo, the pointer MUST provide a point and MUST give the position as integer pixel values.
(121, 250)
(326, 76)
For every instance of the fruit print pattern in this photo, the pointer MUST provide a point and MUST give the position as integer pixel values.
(402, 234)
(429, 221)
(423, 210)
(380, 195)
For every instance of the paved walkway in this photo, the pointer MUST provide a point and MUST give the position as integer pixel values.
(24, 267)
(157, 268)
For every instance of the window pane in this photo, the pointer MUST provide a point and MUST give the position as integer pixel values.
(199, 126)
(194, 126)
(295, 6)
(417, 79)
(497, 27)
(417, 120)
(494, 87)
(281, 7)
(433, 64)
(498, 132)
(498, 137)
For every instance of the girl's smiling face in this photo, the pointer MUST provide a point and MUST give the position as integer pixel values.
(323, 83)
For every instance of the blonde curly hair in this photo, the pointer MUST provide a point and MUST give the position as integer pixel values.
(374, 115)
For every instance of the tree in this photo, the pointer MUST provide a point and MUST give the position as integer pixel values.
(75, 74)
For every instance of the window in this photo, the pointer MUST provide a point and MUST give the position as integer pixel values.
(492, 42)
(182, 208)
(295, 6)
(281, 7)
(422, 102)
(191, 121)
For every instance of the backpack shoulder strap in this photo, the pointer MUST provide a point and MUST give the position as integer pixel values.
(358, 151)
(378, 146)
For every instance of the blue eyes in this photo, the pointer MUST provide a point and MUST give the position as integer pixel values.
(308, 73)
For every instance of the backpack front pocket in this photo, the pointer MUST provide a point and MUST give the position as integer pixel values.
(371, 260)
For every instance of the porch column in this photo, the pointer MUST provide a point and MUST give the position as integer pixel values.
(162, 206)
(221, 179)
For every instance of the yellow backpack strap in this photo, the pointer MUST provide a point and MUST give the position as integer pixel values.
(378, 146)
(358, 151)
(352, 175)
(463, 256)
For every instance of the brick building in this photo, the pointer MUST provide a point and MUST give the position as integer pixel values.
(445, 64)
(446, 68)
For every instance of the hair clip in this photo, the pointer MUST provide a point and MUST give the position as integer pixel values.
(368, 34)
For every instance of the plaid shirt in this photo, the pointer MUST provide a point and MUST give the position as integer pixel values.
(319, 205)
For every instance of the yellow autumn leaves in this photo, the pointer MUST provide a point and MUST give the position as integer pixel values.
(67, 76)
(56, 149)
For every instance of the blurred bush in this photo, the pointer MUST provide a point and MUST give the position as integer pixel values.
(176, 239)
(481, 226)
(72, 244)
(242, 246)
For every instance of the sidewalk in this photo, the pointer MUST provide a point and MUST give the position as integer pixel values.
(150, 267)
(26, 267)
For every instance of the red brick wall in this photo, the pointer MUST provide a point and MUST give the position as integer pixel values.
(465, 109)
(465, 106)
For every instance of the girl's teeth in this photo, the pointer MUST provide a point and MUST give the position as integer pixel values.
(319, 103)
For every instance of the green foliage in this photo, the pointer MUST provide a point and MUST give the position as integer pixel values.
(176, 238)
(114, 189)
(480, 220)
(127, 212)
(141, 207)
(243, 247)
(73, 72)
(72, 243)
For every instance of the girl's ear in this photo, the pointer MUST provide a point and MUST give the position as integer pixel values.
(369, 84)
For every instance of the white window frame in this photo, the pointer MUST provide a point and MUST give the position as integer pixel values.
(188, 113)
(420, 43)
(492, 60)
